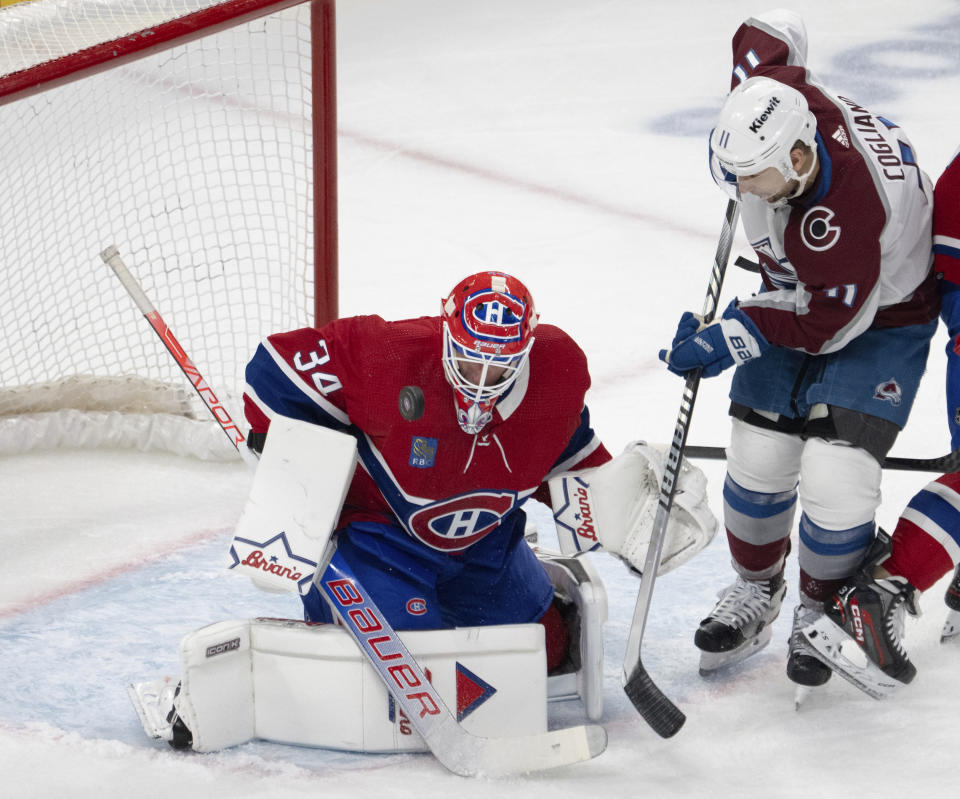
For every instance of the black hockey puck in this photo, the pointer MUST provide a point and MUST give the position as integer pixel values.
(411, 403)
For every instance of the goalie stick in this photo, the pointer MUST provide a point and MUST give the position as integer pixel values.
(944, 463)
(111, 257)
(457, 750)
(657, 710)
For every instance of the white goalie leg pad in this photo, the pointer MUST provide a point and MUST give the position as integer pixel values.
(306, 684)
(216, 698)
(613, 507)
(295, 500)
(575, 580)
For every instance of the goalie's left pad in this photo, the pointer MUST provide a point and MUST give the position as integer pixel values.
(294, 503)
(613, 507)
(299, 683)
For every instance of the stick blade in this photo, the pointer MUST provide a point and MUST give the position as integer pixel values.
(470, 756)
(660, 713)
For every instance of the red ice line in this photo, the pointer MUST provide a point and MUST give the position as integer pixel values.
(82, 585)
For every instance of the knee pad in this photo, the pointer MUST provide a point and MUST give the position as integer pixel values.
(839, 494)
(760, 459)
(759, 497)
(839, 484)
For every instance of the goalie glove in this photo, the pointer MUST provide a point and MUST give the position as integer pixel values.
(613, 507)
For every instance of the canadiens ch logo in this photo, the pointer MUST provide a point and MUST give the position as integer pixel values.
(455, 524)
(816, 232)
(416, 606)
(889, 391)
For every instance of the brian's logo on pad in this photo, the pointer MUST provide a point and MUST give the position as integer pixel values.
(274, 562)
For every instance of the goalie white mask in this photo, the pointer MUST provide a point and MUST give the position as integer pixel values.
(488, 321)
(758, 126)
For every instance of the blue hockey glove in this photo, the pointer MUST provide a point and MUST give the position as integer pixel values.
(733, 339)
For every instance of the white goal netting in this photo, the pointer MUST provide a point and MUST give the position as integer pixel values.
(196, 161)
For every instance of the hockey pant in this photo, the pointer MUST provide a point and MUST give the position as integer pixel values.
(838, 489)
(926, 541)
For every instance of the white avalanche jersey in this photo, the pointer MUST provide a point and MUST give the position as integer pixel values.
(854, 251)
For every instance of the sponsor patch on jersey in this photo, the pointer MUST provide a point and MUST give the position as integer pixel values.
(889, 391)
(423, 451)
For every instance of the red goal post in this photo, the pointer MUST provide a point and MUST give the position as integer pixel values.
(199, 136)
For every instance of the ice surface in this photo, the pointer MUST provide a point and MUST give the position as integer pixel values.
(562, 141)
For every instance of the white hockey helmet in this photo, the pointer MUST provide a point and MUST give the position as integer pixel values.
(757, 127)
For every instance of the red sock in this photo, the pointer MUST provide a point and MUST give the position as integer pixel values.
(557, 637)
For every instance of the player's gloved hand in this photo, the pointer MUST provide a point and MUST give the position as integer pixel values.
(733, 339)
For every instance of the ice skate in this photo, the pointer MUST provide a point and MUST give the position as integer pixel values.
(951, 627)
(867, 615)
(739, 625)
(155, 704)
(804, 666)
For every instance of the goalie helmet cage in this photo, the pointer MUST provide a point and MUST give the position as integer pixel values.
(199, 137)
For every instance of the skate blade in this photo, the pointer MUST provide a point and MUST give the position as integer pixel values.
(153, 700)
(829, 640)
(800, 695)
(951, 627)
(711, 661)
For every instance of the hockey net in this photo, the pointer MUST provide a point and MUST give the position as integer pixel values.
(198, 136)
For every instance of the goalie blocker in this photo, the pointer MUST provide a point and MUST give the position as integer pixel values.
(613, 507)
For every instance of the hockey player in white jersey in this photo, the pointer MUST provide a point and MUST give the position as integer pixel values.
(830, 350)
(925, 545)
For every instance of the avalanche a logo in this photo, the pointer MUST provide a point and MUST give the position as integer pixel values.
(454, 524)
(889, 391)
(816, 232)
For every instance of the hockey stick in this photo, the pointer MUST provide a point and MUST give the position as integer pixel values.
(945, 463)
(111, 257)
(456, 749)
(658, 711)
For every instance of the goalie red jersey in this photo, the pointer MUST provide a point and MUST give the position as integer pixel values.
(447, 489)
